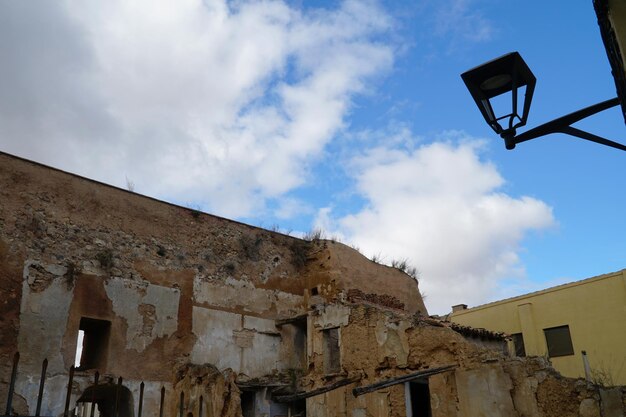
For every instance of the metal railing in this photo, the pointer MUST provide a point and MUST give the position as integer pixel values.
(87, 408)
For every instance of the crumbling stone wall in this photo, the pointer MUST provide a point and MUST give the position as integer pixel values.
(160, 274)
(380, 344)
(192, 303)
(176, 286)
(217, 390)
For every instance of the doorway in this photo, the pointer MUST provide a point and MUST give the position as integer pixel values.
(418, 401)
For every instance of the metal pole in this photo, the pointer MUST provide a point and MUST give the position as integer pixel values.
(42, 381)
(117, 396)
(69, 392)
(93, 394)
(141, 387)
(586, 365)
(16, 359)
(162, 401)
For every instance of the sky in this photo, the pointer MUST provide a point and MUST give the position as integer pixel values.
(345, 116)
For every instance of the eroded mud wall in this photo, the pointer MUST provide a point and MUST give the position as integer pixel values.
(378, 344)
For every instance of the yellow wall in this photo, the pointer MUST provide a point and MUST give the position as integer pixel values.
(594, 309)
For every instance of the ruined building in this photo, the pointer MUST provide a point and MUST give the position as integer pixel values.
(203, 316)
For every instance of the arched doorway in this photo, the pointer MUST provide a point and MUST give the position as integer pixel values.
(107, 397)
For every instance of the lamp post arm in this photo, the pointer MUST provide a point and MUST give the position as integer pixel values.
(563, 125)
(591, 137)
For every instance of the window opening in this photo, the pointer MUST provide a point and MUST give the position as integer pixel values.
(314, 291)
(299, 343)
(92, 343)
(559, 341)
(518, 344)
(331, 351)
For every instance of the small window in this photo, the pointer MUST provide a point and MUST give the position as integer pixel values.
(92, 343)
(559, 341)
(314, 291)
(518, 344)
(331, 351)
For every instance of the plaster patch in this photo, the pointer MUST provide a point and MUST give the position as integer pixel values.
(392, 339)
(214, 337)
(485, 391)
(233, 293)
(54, 269)
(243, 338)
(333, 316)
(259, 324)
(150, 310)
(263, 357)
(43, 320)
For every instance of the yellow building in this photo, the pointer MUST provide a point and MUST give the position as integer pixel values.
(562, 322)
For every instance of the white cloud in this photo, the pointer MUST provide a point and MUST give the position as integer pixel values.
(462, 20)
(221, 103)
(440, 206)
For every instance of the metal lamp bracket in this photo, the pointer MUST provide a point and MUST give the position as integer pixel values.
(564, 125)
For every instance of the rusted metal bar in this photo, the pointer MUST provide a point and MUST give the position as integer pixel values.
(141, 387)
(117, 396)
(199, 407)
(401, 379)
(16, 359)
(68, 395)
(180, 406)
(312, 393)
(93, 394)
(42, 381)
(162, 401)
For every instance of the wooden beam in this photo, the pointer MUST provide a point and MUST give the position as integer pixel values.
(318, 391)
(401, 379)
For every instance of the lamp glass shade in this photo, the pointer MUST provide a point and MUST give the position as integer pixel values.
(501, 75)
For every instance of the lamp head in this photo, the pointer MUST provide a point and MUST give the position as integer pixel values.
(496, 77)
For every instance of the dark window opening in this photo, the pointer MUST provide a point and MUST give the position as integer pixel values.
(420, 399)
(518, 344)
(559, 341)
(332, 363)
(92, 344)
(299, 344)
(247, 403)
(314, 291)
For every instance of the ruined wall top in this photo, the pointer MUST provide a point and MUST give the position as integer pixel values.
(51, 215)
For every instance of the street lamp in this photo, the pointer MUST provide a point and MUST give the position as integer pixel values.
(508, 74)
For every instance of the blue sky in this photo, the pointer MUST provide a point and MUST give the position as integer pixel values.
(347, 116)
